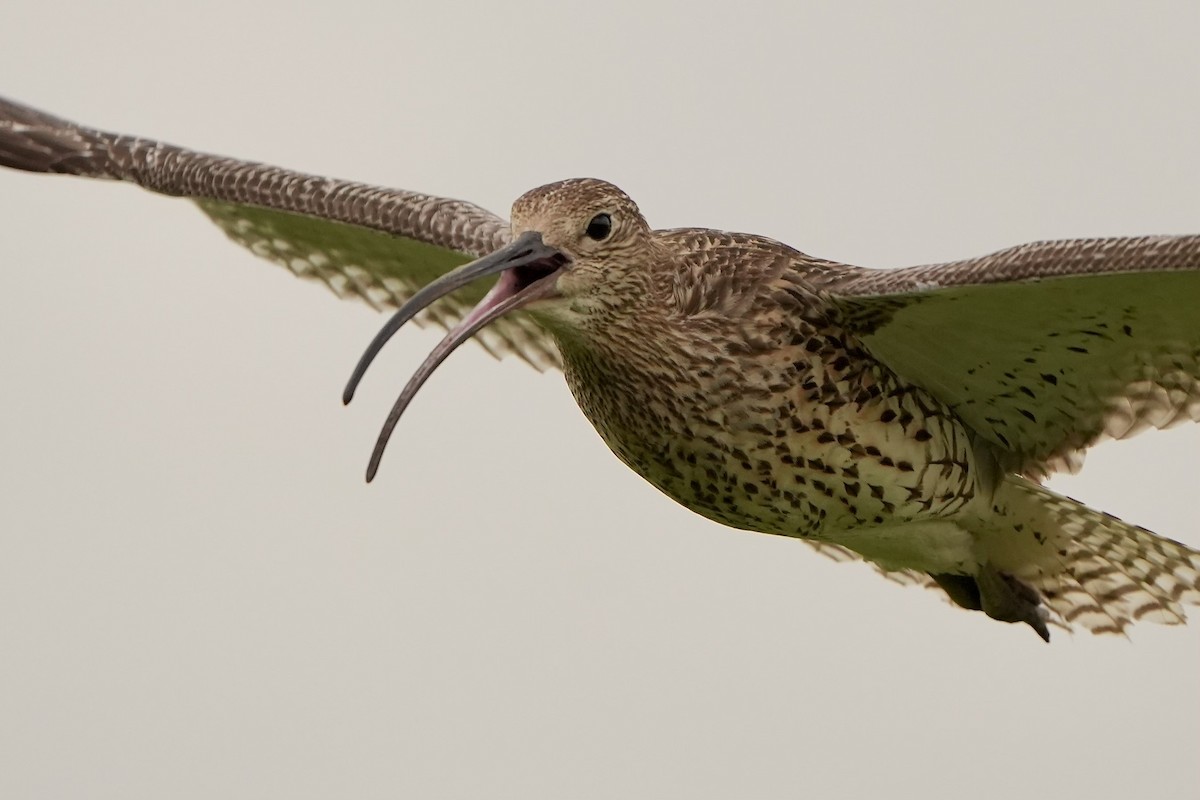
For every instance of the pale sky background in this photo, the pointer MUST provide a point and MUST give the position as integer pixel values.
(199, 596)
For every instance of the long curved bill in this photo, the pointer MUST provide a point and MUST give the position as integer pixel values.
(516, 288)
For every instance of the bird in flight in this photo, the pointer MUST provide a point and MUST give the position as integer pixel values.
(902, 416)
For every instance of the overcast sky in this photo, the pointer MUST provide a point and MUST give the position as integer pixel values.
(199, 596)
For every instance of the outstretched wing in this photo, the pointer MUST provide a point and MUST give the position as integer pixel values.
(1046, 348)
(377, 244)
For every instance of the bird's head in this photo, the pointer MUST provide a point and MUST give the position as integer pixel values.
(598, 234)
(579, 251)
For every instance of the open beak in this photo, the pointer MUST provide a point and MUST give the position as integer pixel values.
(530, 270)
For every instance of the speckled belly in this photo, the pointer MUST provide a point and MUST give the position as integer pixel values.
(810, 460)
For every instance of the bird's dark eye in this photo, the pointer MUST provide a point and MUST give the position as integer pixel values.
(600, 227)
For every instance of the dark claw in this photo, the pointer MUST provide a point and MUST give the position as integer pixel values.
(999, 595)
(1007, 599)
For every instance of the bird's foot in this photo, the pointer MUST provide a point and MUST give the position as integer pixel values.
(1007, 599)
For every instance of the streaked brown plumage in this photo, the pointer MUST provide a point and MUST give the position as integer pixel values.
(903, 415)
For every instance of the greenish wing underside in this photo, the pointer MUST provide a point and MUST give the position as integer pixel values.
(381, 270)
(1046, 368)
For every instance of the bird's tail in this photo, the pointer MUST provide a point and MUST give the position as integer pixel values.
(1092, 570)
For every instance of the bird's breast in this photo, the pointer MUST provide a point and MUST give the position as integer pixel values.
(797, 441)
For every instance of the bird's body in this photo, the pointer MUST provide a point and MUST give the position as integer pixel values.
(822, 442)
(902, 415)
(813, 446)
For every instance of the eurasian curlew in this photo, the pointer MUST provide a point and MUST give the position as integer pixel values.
(905, 416)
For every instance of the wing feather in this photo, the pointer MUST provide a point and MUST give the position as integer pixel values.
(369, 242)
(1046, 348)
